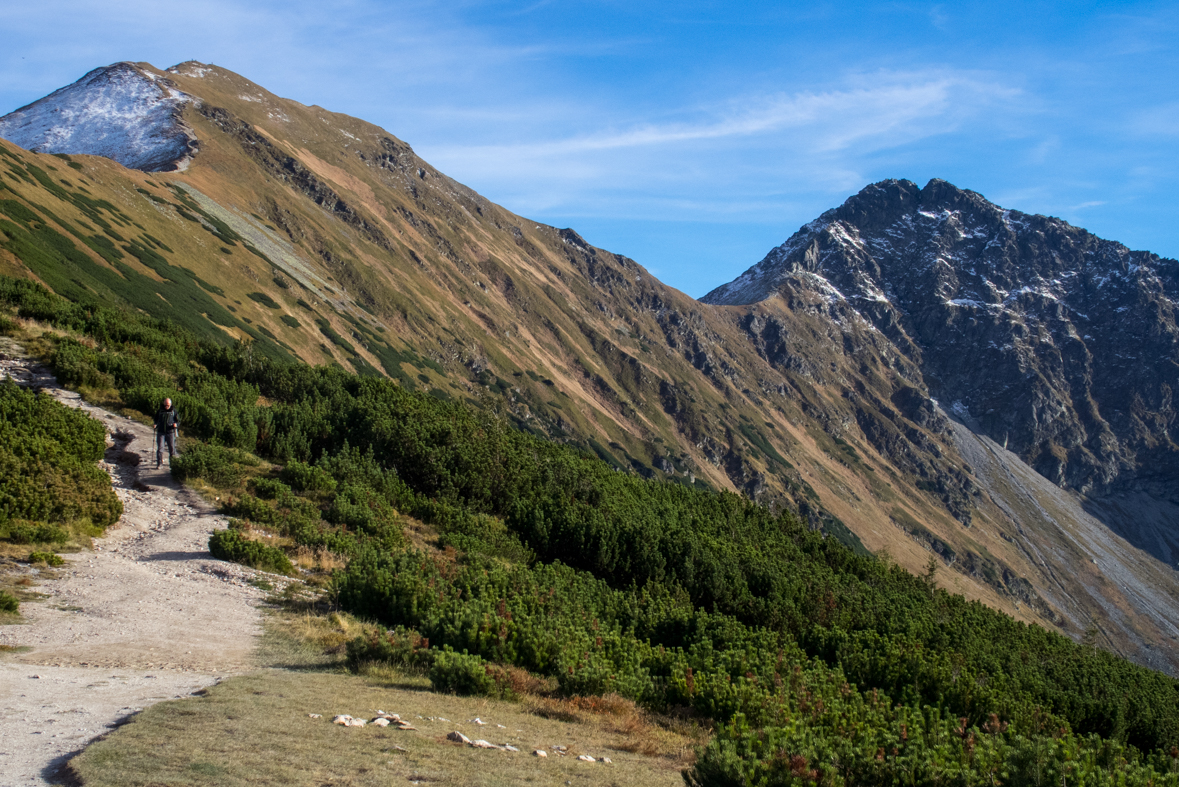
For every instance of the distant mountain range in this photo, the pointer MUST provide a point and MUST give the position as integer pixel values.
(869, 372)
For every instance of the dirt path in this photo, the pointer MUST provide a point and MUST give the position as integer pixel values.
(148, 615)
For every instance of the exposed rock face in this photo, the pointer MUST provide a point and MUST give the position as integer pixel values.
(1041, 335)
(122, 111)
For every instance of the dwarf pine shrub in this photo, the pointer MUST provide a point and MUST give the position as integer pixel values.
(231, 545)
(24, 532)
(306, 478)
(220, 466)
(398, 646)
(469, 675)
(49, 482)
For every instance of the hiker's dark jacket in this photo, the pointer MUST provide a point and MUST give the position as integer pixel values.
(167, 420)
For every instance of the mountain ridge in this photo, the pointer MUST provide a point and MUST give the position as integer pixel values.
(331, 241)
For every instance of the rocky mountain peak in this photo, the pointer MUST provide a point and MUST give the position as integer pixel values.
(125, 111)
(1039, 334)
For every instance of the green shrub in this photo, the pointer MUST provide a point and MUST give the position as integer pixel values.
(48, 558)
(260, 297)
(231, 545)
(75, 365)
(48, 480)
(8, 602)
(19, 532)
(465, 674)
(220, 466)
(400, 647)
(307, 478)
(39, 421)
(270, 488)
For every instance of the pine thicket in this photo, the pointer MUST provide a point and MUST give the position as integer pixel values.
(817, 664)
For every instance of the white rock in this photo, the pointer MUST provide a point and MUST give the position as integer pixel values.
(606, 760)
(510, 747)
(458, 737)
(343, 720)
(357, 723)
(380, 721)
(481, 744)
(478, 721)
(586, 758)
(502, 727)
(540, 753)
(314, 715)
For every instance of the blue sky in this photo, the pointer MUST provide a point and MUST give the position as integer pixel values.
(695, 136)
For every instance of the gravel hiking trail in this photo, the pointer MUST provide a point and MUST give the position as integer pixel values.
(147, 615)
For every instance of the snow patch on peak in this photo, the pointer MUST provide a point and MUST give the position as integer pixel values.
(122, 112)
(190, 69)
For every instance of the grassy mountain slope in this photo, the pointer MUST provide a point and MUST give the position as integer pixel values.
(321, 237)
(506, 563)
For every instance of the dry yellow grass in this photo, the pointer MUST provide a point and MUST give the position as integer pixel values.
(318, 559)
(255, 729)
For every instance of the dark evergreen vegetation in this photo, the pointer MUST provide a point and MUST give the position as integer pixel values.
(817, 664)
(50, 486)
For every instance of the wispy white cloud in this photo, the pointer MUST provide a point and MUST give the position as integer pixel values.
(820, 136)
(897, 107)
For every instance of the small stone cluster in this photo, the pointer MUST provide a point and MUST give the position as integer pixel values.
(563, 751)
(458, 737)
(382, 719)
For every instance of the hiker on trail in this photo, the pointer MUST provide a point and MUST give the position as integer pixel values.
(167, 425)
